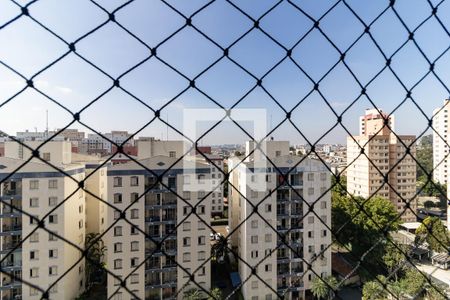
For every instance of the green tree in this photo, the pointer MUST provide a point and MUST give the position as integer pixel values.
(374, 290)
(323, 288)
(95, 266)
(413, 282)
(193, 294)
(216, 294)
(434, 233)
(394, 257)
(424, 157)
(361, 224)
(339, 186)
(220, 250)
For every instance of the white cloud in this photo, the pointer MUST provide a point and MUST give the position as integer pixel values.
(63, 89)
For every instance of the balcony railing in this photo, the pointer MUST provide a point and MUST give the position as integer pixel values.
(8, 228)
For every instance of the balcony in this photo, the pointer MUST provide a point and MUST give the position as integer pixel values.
(8, 246)
(12, 228)
(152, 219)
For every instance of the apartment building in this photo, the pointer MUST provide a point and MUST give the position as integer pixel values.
(441, 141)
(149, 147)
(387, 157)
(147, 262)
(284, 213)
(42, 257)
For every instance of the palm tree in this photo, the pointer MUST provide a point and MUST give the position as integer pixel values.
(323, 288)
(192, 294)
(215, 294)
(220, 249)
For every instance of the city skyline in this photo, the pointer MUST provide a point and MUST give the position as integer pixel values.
(189, 52)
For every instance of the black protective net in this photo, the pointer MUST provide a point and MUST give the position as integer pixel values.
(360, 231)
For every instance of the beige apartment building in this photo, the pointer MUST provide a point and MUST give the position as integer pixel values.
(43, 191)
(386, 158)
(147, 263)
(441, 140)
(41, 258)
(285, 211)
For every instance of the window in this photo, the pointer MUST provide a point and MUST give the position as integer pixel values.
(135, 246)
(268, 207)
(80, 208)
(254, 223)
(185, 210)
(53, 184)
(134, 278)
(34, 202)
(201, 179)
(116, 214)
(310, 234)
(34, 238)
(186, 242)
(254, 284)
(201, 240)
(310, 191)
(201, 255)
(186, 226)
(268, 268)
(117, 264)
(117, 181)
(310, 219)
(254, 254)
(201, 272)
(80, 224)
(172, 154)
(134, 181)
(310, 176)
(134, 213)
(268, 238)
(33, 291)
(34, 272)
(186, 257)
(53, 219)
(323, 176)
(323, 204)
(134, 230)
(254, 239)
(277, 153)
(34, 254)
(52, 237)
(201, 210)
(34, 184)
(134, 197)
(118, 231)
(201, 225)
(52, 201)
(117, 247)
(117, 198)
(46, 156)
(53, 253)
(53, 270)
(134, 262)
(187, 195)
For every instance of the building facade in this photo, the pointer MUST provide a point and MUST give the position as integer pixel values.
(386, 157)
(42, 257)
(283, 203)
(441, 141)
(172, 234)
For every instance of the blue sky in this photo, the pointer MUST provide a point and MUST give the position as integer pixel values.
(28, 48)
